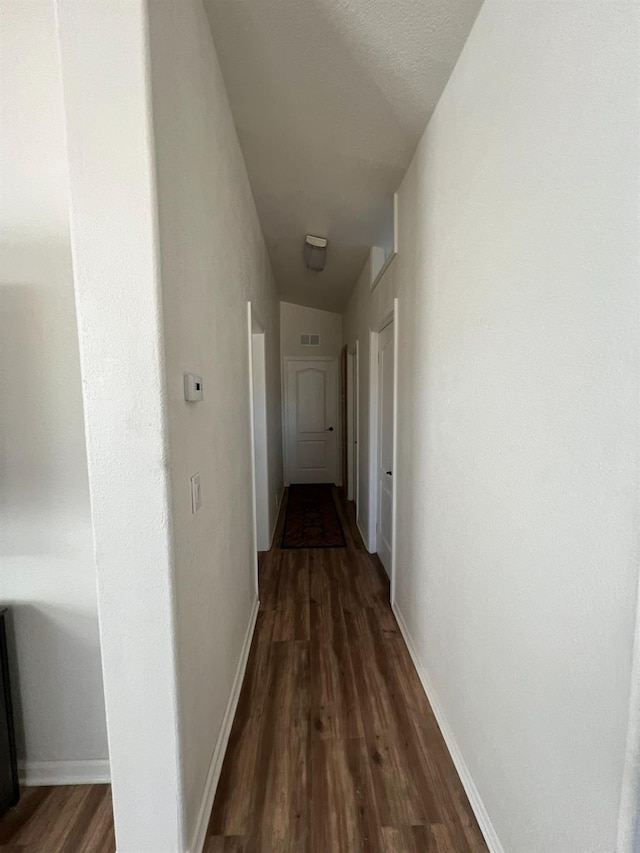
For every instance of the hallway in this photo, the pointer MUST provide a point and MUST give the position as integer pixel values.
(334, 746)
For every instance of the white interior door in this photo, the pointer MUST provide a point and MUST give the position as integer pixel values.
(384, 525)
(350, 427)
(311, 405)
(355, 467)
(261, 471)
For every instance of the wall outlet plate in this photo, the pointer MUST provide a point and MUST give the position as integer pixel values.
(192, 387)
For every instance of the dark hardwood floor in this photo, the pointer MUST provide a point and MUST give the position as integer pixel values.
(334, 747)
(60, 819)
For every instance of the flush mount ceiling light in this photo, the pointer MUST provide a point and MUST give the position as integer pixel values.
(315, 253)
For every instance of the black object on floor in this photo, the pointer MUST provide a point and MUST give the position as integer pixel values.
(9, 789)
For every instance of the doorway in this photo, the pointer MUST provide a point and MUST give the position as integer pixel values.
(259, 449)
(382, 495)
(353, 404)
(311, 420)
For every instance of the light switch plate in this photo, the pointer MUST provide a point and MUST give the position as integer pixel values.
(196, 497)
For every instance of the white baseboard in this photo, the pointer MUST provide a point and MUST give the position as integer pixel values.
(213, 775)
(365, 538)
(92, 772)
(275, 523)
(482, 816)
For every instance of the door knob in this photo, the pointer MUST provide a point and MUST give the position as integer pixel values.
(390, 473)
(330, 429)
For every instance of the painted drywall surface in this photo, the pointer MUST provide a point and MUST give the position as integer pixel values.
(47, 571)
(116, 277)
(213, 260)
(330, 100)
(517, 470)
(296, 320)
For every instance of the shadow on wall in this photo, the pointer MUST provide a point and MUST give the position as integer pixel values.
(46, 645)
(46, 549)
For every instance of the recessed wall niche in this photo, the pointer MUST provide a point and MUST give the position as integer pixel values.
(381, 255)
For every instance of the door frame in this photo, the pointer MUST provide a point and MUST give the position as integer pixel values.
(391, 316)
(255, 327)
(353, 424)
(344, 415)
(285, 412)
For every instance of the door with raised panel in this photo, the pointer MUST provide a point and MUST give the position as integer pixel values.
(311, 409)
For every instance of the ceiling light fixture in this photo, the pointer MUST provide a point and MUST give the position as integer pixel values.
(315, 253)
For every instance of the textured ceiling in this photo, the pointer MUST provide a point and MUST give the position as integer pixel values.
(330, 98)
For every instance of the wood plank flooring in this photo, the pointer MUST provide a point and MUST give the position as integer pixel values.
(60, 819)
(334, 747)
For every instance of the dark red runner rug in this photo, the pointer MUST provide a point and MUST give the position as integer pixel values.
(312, 519)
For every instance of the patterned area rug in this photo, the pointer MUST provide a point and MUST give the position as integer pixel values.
(312, 518)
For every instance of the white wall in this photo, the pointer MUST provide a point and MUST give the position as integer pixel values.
(213, 260)
(296, 320)
(105, 69)
(47, 566)
(517, 471)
